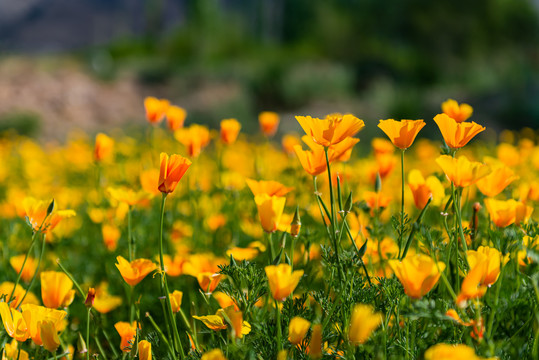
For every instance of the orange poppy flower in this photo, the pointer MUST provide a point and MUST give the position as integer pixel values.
(423, 190)
(270, 210)
(195, 138)
(312, 161)
(495, 182)
(282, 281)
(133, 272)
(418, 274)
(111, 235)
(176, 300)
(289, 141)
(56, 289)
(363, 322)
(128, 196)
(455, 134)
(401, 133)
(506, 212)
(144, 350)
(104, 146)
(331, 130)
(35, 315)
(461, 171)
(455, 111)
(271, 188)
(155, 109)
(127, 333)
(230, 128)
(36, 212)
(171, 171)
(175, 117)
(208, 281)
(340, 152)
(105, 302)
(382, 146)
(29, 267)
(450, 352)
(376, 200)
(269, 122)
(297, 329)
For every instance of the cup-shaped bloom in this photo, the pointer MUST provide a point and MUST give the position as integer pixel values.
(133, 272)
(506, 212)
(495, 182)
(363, 322)
(35, 315)
(423, 190)
(208, 281)
(29, 298)
(12, 352)
(494, 260)
(272, 188)
(450, 352)
(455, 111)
(56, 289)
(29, 267)
(401, 133)
(230, 128)
(171, 171)
(418, 274)
(37, 213)
(235, 317)
(297, 329)
(215, 354)
(270, 210)
(104, 147)
(176, 300)
(312, 161)
(144, 350)
(155, 109)
(111, 235)
(457, 135)
(282, 281)
(49, 336)
(269, 122)
(14, 323)
(288, 142)
(175, 117)
(194, 138)
(127, 332)
(331, 130)
(461, 171)
(105, 302)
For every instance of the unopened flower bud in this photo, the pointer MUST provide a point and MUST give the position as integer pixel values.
(295, 226)
(90, 297)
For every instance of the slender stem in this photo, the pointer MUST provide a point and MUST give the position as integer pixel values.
(37, 269)
(496, 300)
(163, 338)
(177, 342)
(333, 218)
(456, 205)
(401, 232)
(129, 235)
(88, 333)
(10, 298)
(279, 330)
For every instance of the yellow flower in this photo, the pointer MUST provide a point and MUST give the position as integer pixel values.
(144, 350)
(331, 130)
(282, 281)
(105, 302)
(195, 138)
(176, 300)
(270, 210)
(457, 135)
(288, 142)
(242, 253)
(14, 323)
(208, 281)
(269, 122)
(35, 315)
(271, 188)
(175, 117)
(127, 196)
(450, 352)
(312, 161)
(230, 128)
(418, 274)
(171, 171)
(56, 289)
(461, 171)
(401, 133)
(363, 322)
(36, 212)
(49, 336)
(423, 189)
(127, 332)
(111, 235)
(29, 267)
(297, 329)
(315, 346)
(12, 352)
(215, 354)
(104, 146)
(506, 212)
(217, 322)
(495, 182)
(455, 111)
(155, 109)
(133, 272)
(7, 287)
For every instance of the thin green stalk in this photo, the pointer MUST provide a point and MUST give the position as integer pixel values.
(177, 342)
(129, 236)
(88, 333)
(456, 206)
(279, 330)
(318, 200)
(496, 300)
(161, 335)
(401, 232)
(10, 298)
(333, 218)
(37, 268)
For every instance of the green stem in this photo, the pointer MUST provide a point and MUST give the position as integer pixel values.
(88, 333)
(10, 298)
(130, 242)
(495, 306)
(333, 218)
(177, 342)
(401, 232)
(457, 207)
(279, 330)
(161, 335)
(37, 269)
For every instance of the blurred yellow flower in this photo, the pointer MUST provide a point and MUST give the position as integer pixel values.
(194, 138)
(270, 210)
(230, 128)
(418, 274)
(455, 111)
(506, 212)
(282, 281)
(297, 329)
(450, 352)
(269, 122)
(155, 109)
(104, 147)
(175, 117)
(29, 267)
(56, 289)
(423, 189)
(215, 354)
(269, 187)
(127, 332)
(362, 323)
(462, 172)
(495, 182)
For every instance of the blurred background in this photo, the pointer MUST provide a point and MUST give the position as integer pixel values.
(88, 64)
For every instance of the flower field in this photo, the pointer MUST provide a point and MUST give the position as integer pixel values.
(189, 243)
